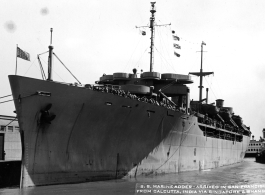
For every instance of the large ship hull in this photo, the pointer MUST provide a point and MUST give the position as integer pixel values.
(98, 135)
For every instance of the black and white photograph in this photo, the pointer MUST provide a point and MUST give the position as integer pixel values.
(132, 97)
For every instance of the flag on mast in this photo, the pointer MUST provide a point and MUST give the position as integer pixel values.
(22, 54)
(176, 38)
(176, 54)
(177, 46)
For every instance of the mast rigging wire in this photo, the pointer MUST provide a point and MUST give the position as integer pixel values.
(6, 101)
(132, 54)
(30, 67)
(11, 122)
(66, 68)
(53, 70)
(19, 98)
(5, 96)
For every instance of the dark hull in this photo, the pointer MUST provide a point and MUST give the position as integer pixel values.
(97, 136)
(250, 154)
(260, 158)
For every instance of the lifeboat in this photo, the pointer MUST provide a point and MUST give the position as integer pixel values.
(169, 76)
(225, 114)
(195, 106)
(106, 78)
(131, 76)
(120, 76)
(209, 109)
(238, 120)
(136, 89)
(183, 79)
(230, 109)
(150, 75)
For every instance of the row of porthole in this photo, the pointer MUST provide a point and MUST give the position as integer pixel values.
(255, 149)
(258, 144)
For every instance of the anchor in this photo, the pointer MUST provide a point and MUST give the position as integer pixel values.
(46, 116)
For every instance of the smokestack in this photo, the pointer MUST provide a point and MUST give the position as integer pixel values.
(219, 103)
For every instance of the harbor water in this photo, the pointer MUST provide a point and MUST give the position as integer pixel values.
(247, 177)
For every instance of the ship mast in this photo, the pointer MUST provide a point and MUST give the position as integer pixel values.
(201, 74)
(50, 60)
(152, 21)
(152, 29)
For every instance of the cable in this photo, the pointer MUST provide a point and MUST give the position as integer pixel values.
(211, 88)
(6, 101)
(132, 54)
(29, 67)
(19, 98)
(11, 122)
(67, 68)
(5, 96)
(165, 60)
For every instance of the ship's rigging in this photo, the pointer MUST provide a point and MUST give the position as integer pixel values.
(122, 125)
(152, 29)
(50, 63)
(201, 74)
(152, 26)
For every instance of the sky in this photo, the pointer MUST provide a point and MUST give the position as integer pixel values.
(96, 37)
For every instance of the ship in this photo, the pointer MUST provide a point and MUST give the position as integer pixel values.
(124, 125)
(260, 156)
(254, 147)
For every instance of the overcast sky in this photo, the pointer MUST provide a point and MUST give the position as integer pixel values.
(95, 37)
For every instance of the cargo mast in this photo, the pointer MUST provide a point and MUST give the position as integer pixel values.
(152, 21)
(201, 74)
(50, 60)
(152, 29)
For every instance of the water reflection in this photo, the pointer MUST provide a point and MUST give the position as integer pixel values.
(245, 173)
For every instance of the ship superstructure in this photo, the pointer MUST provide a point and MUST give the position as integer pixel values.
(123, 125)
